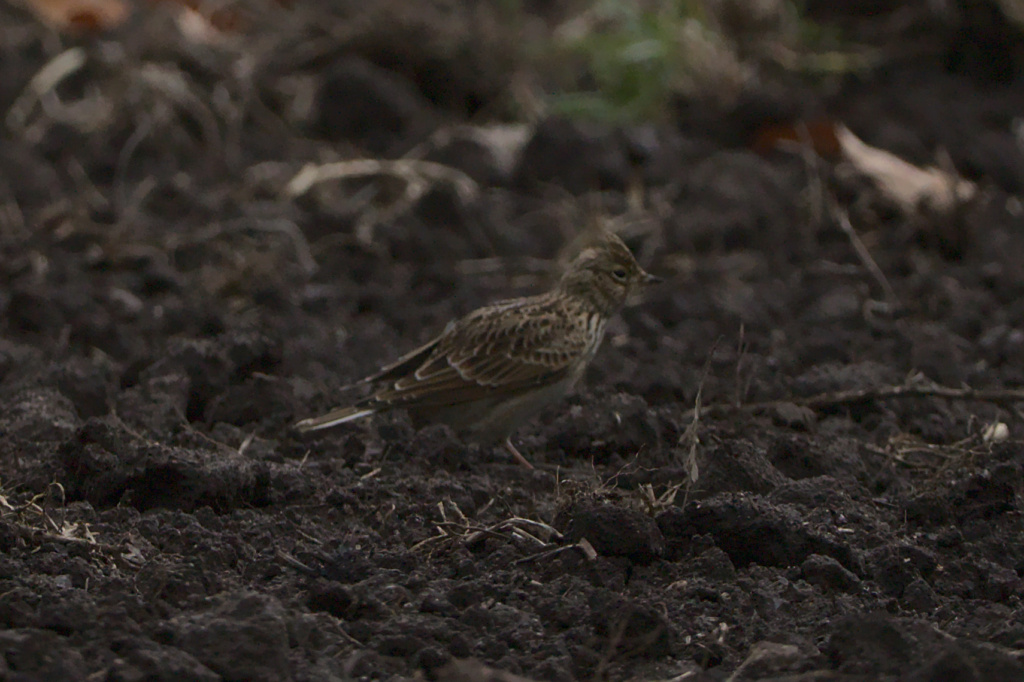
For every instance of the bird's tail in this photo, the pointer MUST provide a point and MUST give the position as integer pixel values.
(334, 417)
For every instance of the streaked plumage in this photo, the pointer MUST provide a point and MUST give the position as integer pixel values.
(497, 366)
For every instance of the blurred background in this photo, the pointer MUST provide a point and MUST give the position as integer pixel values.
(214, 215)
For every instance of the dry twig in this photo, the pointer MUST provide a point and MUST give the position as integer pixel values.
(45, 81)
(999, 396)
(865, 256)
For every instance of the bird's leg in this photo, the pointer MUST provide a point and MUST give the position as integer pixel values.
(515, 453)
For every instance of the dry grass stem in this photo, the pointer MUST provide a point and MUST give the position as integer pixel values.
(866, 259)
(417, 176)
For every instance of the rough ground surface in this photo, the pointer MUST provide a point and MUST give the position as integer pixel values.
(166, 312)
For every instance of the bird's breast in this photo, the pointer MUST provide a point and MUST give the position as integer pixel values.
(594, 334)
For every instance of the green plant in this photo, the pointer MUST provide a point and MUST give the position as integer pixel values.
(630, 57)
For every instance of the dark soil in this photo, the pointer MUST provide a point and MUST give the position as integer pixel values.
(167, 311)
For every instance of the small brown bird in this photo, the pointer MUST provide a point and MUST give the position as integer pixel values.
(493, 369)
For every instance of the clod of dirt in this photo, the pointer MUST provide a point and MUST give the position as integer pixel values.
(937, 352)
(345, 565)
(895, 565)
(618, 425)
(616, 531)
(87, 384)
(713, 564)
(471, 670)
(838, 495)
(157, 404)
(376, 107)
(628, 628)
(438, 445)
(830, 377)
(752, 531)
(978, 578)
(878, 645)
(106, 466)
(39, 414)
(249, 401)
(982, 496)
(36, 181)
(919, 596)
(768, 660)
(717, 218)
(948, 665)
(213, 366)
(828, 573)
(244, 637)
(139, 658)
(805, 458)
(16, 356)
(27, 653)
(577, 156)
(734, 464)
(330, 597)
(793, 415)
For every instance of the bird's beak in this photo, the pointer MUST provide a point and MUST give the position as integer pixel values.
(648, 279)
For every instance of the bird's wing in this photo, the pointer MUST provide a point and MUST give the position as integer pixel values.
(408, 362)
(486, 352)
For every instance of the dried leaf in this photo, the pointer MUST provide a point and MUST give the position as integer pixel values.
(819, 134)
(996, 432)
(910, 187)
(208, 28)
(80, 16)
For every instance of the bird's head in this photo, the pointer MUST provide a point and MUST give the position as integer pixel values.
(605, 274)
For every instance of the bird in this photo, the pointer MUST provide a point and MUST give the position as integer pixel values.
(488, 372)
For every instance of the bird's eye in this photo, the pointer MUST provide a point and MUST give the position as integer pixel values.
(619, 274)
